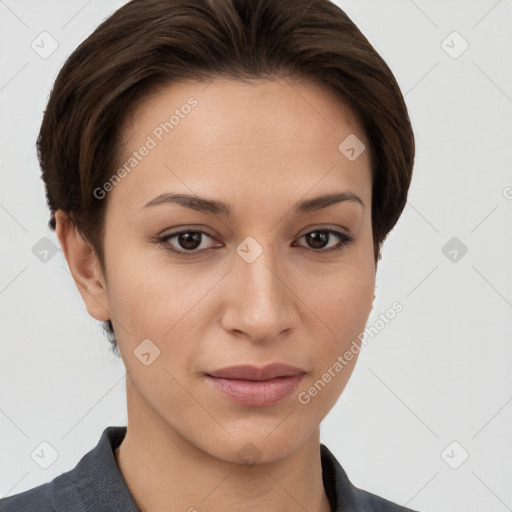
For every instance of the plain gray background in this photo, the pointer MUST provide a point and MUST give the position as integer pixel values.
(434, 385)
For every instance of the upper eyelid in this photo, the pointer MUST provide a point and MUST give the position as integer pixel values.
(180, 231)
(309, 229)
(187, 230)
(334, 231)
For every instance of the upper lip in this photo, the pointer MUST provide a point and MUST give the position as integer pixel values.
(248, 372)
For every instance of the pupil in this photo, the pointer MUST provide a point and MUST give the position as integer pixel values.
(190, 240)
(317, 239)
(317, 236)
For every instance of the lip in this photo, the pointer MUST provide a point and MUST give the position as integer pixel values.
(248, 372)
(256, 387)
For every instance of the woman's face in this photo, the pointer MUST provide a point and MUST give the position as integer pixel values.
(263, 283)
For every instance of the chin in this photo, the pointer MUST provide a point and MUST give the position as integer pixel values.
(257, 446)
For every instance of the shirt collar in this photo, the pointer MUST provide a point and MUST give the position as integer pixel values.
(100, 484)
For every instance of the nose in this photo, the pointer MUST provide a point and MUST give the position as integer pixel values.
(262, 304)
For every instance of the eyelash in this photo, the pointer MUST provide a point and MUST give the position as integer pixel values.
(345, 241)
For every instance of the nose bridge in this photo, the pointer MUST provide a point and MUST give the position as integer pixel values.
(263, 304)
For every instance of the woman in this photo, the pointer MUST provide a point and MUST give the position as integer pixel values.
(221, 176)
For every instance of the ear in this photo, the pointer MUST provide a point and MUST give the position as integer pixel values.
(84, 266)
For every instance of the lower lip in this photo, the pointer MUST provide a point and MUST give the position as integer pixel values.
(256, 393)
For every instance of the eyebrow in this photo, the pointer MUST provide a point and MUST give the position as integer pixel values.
(202, 204)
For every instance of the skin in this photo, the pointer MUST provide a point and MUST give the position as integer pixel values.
(260, 147)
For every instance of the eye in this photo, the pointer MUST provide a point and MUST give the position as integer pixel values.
(318, 240)
(188, 241)
(191, 242)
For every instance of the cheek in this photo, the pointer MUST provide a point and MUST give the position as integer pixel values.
(344, 294)
(154, 298)
(139, 293)
(342, 302)
(343, 308)
(344, 312)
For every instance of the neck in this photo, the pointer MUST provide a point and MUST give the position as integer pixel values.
(165, 472)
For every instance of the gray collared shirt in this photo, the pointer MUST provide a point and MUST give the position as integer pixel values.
(96, 484)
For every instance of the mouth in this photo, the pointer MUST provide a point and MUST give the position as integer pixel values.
(256, 387)
(247, 372)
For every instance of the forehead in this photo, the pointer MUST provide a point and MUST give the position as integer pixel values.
(227, 134)
(304, 107)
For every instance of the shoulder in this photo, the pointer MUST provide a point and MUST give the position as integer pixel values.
(374, 503)
(38, 499)
(60, 494)
(95, 483)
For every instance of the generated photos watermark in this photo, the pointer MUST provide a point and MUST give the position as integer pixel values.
(151, 143)
(304, 397)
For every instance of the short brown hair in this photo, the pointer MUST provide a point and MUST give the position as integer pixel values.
(148, 43)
